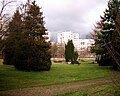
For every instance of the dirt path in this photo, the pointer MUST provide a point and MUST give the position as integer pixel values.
(56, 89)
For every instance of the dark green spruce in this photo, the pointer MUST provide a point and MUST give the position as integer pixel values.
(30, 49)
(69, 52)
(105, 36)
(14, 32)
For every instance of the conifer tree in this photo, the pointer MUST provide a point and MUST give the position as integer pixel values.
(33, 49)
(105, 34)
(14, 30)
(26, 47)
(75, 57)
(69, 52)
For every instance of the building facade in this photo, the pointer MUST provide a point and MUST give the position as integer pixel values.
(63, 37)
(85, 47)
(82, 46)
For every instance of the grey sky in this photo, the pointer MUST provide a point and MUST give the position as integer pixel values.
(71, 15)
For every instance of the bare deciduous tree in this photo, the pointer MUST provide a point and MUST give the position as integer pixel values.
(4, 16)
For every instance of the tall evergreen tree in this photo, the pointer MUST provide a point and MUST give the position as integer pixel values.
(105, 32)
(34, 54)
(69, 51)
(75, 57)
(14, 30)
(26, 47)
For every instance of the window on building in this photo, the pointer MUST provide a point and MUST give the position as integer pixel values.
(82, 48)
(82, 43)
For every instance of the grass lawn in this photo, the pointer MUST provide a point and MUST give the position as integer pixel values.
(102, 90)
(1, 61)
(10, 78)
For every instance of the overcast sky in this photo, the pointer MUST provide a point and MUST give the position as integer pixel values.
(71, 15)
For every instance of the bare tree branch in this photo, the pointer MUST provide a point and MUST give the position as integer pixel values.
(3, 17)
(4, 4)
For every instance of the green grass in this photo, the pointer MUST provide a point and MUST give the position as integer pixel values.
(102, 90)
(1, 61)
(10, 78)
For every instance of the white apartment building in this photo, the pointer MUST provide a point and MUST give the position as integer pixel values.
(82, 46)
(85, 43)
(63, 37)
(85, 46)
